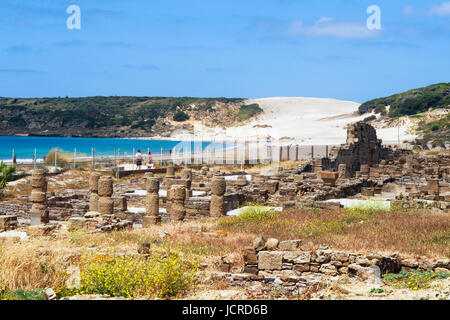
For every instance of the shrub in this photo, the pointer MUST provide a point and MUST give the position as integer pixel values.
(21, 294)
(250, 214)
(370, 118)
(414, 279)
(162, 274)
(6, 173)
(248, 111)
(180, 116)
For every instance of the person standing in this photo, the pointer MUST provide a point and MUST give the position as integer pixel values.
(150, 160)
(139, 159)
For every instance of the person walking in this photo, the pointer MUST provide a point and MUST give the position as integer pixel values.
(139, 159)
(150, 160)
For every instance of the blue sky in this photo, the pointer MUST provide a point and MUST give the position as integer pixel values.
(227, 48)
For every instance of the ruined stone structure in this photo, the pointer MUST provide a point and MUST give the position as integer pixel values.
(361, 148)
(218, 189)
(39, 211)
(170, 171)
(175, 203)
(105, 191)
(151, 202)
(93, 189)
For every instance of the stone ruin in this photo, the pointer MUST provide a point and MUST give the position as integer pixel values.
(360, 168)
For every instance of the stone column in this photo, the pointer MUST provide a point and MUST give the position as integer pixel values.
(175, 203)
(218, 189)
(93, 189)
(39, 210)
(187, 175)
(105, 191)
(170, 171)
(152, 216)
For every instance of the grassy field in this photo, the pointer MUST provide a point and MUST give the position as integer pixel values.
(43, 261)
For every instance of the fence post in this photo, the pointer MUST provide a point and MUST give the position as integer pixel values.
(160, 158)
(312, 152)
(280, 156)
(75, 158)
(296, 152)
(326, 151)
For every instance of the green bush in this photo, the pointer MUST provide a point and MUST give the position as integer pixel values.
(163, 274)
(6, 173)
(413, 279)
(37, 294)
(248, 111)
(180, 116)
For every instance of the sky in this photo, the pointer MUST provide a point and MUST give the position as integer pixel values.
(226, 48)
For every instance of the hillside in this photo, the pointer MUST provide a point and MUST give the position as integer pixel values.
(425, 110)
(117, 116)
(410, 102)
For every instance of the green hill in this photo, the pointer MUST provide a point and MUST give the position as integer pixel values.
(410, 102)
(116, 116)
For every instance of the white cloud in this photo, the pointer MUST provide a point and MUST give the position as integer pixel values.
(442, 9)
(328, 27)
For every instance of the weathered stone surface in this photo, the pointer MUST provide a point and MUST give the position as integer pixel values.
(105, 186)
(259, 243)
(218, 186)
(323, 256)
(339, 256)
(8, 222)
(328, 269)
(217, 206)
(272, 244)
(93, 182)
(270, 260)
(363, 273)
(289, 245)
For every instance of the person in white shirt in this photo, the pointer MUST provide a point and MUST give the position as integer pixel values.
(139, 159)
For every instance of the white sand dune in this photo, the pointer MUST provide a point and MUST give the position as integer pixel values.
(306, 121)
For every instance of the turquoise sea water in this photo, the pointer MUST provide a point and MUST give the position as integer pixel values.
(24, 146)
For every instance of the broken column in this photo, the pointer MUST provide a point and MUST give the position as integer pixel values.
(39, 211)
(175, 203)
(105, 191)
(170, 171)
(218, 189)
(187, 175)
(93, 189)
(152, 216)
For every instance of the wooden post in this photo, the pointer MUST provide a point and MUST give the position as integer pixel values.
(296, 152)
(312, 152)
(74, 158)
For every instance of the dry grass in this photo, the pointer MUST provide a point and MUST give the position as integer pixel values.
(29, 265)
(408, 232)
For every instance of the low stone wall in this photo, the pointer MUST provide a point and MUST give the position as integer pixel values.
(272, 258)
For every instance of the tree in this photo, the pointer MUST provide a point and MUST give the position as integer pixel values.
(5, 174)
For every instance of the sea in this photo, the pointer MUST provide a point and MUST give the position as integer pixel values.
(25, 148)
